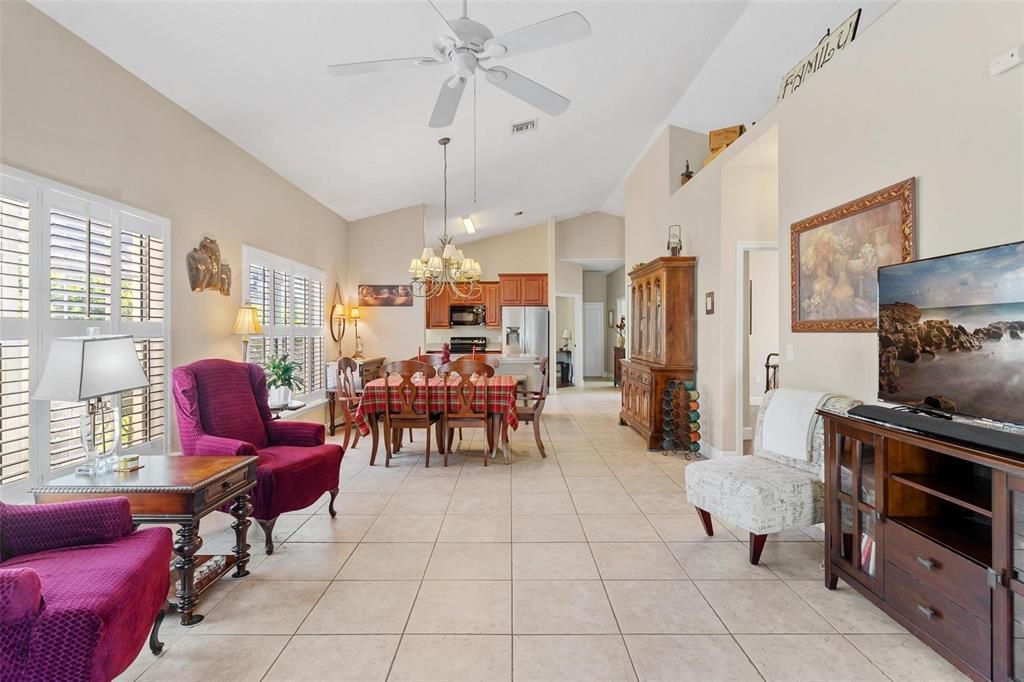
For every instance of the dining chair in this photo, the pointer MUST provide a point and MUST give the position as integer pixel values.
(458, 410)
(406, 416)
(347, 397)
(531, 413)
(432, 359)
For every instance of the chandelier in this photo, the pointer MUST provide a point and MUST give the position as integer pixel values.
(451, 271)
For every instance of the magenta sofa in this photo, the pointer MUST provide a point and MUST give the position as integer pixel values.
(80, 588)
(222, 410)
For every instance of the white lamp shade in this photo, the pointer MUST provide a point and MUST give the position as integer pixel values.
(83, 367)
(449, 252)
(427, 254)
(566, 334)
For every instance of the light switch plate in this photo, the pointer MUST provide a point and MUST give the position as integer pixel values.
(1006, 61)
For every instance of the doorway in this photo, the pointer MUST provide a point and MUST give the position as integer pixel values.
(757, 331)
(593, 339)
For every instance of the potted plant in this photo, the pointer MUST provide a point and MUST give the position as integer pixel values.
(282, 379)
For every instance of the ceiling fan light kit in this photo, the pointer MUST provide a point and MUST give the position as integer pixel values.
(468, 44)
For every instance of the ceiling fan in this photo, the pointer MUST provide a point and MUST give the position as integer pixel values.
(469, 46)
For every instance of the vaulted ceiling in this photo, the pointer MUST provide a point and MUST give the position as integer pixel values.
(255, 72)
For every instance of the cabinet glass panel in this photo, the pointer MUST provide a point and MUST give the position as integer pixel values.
(845, 482)
(657, 318)
(867, 559)
(846, 531)
(867, 474)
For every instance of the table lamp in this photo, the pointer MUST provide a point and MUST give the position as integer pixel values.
(566, 337)
(247, 322)
(353, 314)
(92, 368)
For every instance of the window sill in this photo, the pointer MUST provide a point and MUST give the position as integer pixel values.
(315, 404)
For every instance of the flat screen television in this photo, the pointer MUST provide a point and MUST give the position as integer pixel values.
(951, 333)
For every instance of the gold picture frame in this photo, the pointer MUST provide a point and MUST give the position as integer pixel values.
(835, 256)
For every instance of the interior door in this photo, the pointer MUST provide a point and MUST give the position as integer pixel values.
(593, 339)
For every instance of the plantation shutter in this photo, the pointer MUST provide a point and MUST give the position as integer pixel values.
(14, 411)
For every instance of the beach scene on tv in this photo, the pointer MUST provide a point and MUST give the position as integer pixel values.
(951, 333)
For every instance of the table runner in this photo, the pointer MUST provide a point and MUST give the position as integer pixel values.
(501, 399)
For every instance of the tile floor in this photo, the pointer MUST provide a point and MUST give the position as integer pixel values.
(587, 565)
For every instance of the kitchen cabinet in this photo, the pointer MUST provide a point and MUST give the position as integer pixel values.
(437, 311)
(492, 305)
(524, 289)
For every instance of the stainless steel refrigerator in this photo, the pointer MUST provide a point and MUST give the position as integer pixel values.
(532, 322)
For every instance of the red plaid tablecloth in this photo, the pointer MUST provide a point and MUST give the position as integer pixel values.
(501, 399)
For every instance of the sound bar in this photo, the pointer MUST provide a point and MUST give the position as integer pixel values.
(985, 438)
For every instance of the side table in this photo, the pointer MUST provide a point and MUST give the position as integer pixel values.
(182, 490)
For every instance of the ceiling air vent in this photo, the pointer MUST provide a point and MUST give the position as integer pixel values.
(524, 127)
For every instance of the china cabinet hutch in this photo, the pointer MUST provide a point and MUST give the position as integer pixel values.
(663, 333)
(932, 532)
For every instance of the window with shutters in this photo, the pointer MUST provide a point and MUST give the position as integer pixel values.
(71, 261)
(289, 299)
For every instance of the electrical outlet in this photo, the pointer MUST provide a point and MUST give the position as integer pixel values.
(1006, 61)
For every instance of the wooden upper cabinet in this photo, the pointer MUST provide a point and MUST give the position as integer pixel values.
(525, 289)
(663, 329)
(492, 305)
(535, 289)
(510, 289)
(437, 311)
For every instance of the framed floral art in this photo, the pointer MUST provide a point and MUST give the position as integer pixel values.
(835, 256)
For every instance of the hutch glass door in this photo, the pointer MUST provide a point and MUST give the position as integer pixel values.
(855, 535)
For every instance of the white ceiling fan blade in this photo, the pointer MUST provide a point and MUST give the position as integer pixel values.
(534, 94)
(447, 102)
(355, 68)
(553, 31)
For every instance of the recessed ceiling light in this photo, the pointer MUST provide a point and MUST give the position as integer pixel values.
(467, 222)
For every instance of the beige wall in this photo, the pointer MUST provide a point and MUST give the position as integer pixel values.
(922, 119)
(379, 250)
(598, 236)
(69, 113)
(939, 117)
(524, 250)
(594, 286)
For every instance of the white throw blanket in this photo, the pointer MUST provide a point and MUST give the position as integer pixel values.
(787, 422)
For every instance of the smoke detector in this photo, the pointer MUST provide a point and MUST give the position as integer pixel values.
(524, 127)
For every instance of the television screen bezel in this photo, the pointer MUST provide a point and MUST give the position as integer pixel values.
(892, 401)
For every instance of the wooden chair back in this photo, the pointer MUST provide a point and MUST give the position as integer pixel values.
(345, 378)
(404, 392)
(432, 359)
(465, 390)
(543, 367)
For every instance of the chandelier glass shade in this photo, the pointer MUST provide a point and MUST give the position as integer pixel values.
(450, 270)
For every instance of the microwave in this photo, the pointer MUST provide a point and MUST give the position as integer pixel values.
(466, 315)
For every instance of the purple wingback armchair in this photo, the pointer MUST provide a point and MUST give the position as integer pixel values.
(79, 589)
(222, 410)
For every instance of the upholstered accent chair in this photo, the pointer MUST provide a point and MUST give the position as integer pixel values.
(767, 492)
(222, 410)
(80, 589)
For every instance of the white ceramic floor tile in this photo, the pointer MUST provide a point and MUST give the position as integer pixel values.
(587, 658)
(341, 658)
(660, 658)
(808, 657)
(453, 658)
(362, 607)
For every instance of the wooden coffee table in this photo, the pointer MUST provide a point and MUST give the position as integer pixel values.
(182, 490)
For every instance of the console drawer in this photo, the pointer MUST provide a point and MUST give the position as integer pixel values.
(956, 628)
(962, 580)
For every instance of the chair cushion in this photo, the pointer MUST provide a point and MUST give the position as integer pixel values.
(100, 602)
(756, 494)
(289, 477)
(227, 404)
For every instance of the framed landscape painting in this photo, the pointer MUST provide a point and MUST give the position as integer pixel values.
(835, 256)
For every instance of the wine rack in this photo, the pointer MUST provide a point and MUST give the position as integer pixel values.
(680, 418)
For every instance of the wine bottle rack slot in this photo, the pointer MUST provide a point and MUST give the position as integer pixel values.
(680, 418)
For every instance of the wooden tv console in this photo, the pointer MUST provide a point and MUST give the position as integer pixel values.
(926, 529)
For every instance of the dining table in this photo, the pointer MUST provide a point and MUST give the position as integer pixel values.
(500, 401)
